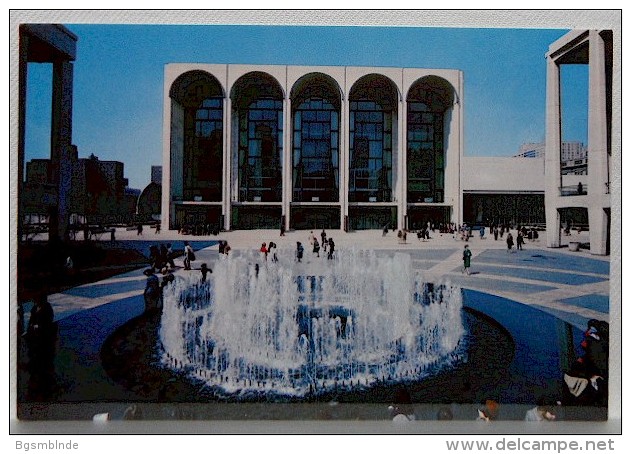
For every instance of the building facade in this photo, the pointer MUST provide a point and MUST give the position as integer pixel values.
(262, 146)
(595, 49)
(503, 190)
(98, 192)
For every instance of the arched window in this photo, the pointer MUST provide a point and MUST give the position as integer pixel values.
(373, 102)
(427, 102)
(258, 101)
(316, 126)
(316, 151)
(200, 98)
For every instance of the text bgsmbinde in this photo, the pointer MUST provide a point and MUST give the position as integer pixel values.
(46, 445)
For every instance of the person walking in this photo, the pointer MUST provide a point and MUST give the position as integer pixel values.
(205, 270)
(466, 258)
(331, 249)
(264, 251)
(510, 242)
(299, 251)
(323, 237)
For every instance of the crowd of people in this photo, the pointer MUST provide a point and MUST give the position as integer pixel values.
(198, 229)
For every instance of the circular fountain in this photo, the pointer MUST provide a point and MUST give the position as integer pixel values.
(283, 328)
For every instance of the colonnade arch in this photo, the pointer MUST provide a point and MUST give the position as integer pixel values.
(257, 150)
(197, 103)
(308, 150)
(428, 101)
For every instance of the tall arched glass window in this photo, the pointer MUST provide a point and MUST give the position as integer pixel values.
(427, 103)
(260, 151)
(370, 170)
(203, 155)
(316, 151)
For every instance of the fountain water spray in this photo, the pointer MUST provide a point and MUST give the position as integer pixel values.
(304, 329)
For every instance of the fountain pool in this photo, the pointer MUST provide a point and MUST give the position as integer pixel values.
(288, 329)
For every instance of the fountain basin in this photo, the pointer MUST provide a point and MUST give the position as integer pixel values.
(354, 323)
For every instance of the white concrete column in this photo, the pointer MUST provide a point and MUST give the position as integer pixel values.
(22, 78)
(459, 204)
(402, 178)
(167, 127)
(227, 163)
(597, 230)
(597, 163)
(553, 155)
(61, 145)
(343, 159)
(173, 160)
(287, 161)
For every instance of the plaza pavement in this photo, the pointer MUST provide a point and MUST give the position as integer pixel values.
(573, 286)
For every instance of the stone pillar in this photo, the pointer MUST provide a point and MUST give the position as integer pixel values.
(226, 196)
(597, 163)
(287, 162)
(402, 179)
(22, 78)
(343, 160)
(454, 154)
(173, 159)
(553, 155)
(61, 146)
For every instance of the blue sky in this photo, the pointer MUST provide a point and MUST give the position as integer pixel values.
(118, 79)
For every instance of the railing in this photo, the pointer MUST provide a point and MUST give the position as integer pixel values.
(579, 189)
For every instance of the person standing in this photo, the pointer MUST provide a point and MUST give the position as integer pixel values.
(152, 290)
(205, 270)
(272, 250)
(299, 251)
(466, 258)
(316, 247)
(520, 240)
(264, 251)
(170, 256)
(189, 255)
(331, 249)
(40, 336)
(323, 237)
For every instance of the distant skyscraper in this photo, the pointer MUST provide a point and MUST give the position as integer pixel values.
(156, 175)
(573, 156)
